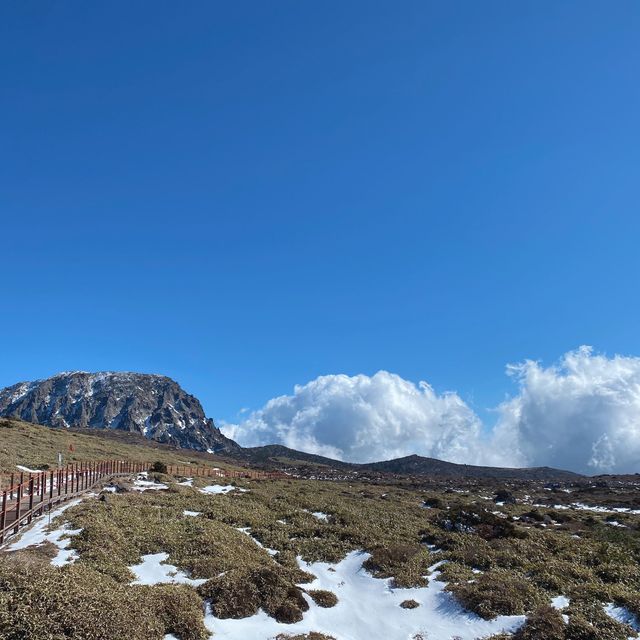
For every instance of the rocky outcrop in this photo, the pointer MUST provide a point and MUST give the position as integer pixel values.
(152, 405)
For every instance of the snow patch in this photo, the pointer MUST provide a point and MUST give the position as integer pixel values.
(19, 467)
(38, 534)
(214, 489)
(319, 515)
(369, 607)
(154, 570)
(623, 615)
(142, 484)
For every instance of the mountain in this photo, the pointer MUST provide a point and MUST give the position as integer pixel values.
(153, 405)
(274, 456)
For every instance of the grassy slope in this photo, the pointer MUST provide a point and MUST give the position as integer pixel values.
(36, 446)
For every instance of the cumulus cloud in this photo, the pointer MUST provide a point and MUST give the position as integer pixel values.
(364, 418)
(582, 413)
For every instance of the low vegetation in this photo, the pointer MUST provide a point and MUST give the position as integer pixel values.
(498, 559)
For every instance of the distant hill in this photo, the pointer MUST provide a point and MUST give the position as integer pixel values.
(418, 465)
(278, 455)
(152, 405)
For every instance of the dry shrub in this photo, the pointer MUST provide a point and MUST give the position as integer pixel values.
(406, 563)
(545, 623)
(409, 604)
(497, 593)
(323, 598)
(240, 593)
(75, 602)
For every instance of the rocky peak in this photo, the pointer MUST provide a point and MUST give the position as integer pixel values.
(153, 405)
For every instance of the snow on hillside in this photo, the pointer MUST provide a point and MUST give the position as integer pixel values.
(369, 607)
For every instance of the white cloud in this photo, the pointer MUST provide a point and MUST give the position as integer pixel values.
(582, 413)
(362, 418)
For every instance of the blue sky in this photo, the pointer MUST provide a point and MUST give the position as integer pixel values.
(245, 196)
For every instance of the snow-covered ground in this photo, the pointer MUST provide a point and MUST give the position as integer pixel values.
(214, 489)
(368, 608)
(142, 484)
(19, 467)
(319, 515)
(560, 602)
(621, 614)
(37, 534)
(154, 570)
(579, 506)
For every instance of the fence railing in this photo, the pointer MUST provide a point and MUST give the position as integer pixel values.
(26, 495)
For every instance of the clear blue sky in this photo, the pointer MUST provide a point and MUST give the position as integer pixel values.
(246, 195)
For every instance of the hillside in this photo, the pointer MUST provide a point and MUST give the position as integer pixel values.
(278, 456)
(36, 446)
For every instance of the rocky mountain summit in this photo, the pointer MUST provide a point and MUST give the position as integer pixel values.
(153, 405)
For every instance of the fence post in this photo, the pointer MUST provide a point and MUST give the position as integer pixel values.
(30, 498)
(43, 488)
(3, 516)
(18, 500)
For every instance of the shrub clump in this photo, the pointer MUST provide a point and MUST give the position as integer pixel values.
(158, 467)
(486, 525)
(545, 623)
(409, 604)
(239, 594)
(323, 598)
(497, 593)
(406, 563)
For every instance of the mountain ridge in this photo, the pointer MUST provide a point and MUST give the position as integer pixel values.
(274, 455)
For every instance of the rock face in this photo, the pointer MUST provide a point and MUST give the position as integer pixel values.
(152, 405)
